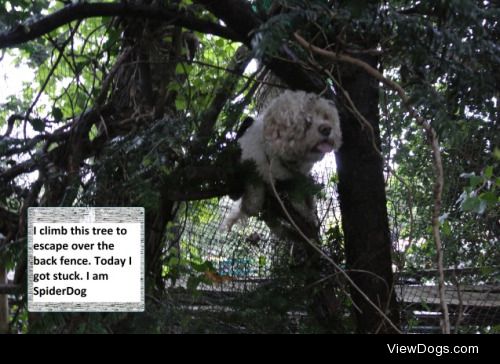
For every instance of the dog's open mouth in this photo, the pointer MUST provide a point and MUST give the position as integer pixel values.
(323, 147)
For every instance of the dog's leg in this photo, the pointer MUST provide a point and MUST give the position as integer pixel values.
(234, 214)
(307, 209)
(253, 199)
(249, 205)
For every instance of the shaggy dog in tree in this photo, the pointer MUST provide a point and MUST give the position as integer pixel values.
(292, 133)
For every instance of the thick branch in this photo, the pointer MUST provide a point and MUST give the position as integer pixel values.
(26, 32)
(10, 289)
(240, 18)
(193, 183)
(237, 14)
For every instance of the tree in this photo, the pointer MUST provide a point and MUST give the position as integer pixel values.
(142, 97)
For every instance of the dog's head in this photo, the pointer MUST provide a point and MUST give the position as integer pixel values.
(301, 127)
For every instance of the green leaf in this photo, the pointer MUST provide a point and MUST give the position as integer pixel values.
(93, 132)
(180, 103)
(496, 153)
(488, 172)
(220, 43)
(192, 283)
(446, 228)
(52, 146)
(471, 204)
(173, 86)
(180, 69)
(184, 4)
(57, 114)
(203, 267)
(165, 170)
(475, 181)
(173, 261)
(80, 66)
(38, 124)
(198, 267)
(262, 261)
(482, 206)
(490, 197)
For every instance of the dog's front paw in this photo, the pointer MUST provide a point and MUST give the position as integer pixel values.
(228, 223)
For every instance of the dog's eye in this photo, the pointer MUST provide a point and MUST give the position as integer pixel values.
(308, 123)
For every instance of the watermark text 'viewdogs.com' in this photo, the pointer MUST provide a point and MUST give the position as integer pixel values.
(437, 350)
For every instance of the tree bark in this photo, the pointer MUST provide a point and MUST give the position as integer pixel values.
(363, 204)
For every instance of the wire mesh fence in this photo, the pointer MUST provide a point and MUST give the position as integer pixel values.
(250, 258)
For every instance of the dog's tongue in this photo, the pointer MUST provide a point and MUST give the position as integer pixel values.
(324, 147)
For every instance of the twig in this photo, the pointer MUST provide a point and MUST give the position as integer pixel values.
(433, 142)
(10, 123)
(109, 77)
(330, 276)
(352, 107)
(47, 79)
(357, 114)
(410, 213)
(214, 66)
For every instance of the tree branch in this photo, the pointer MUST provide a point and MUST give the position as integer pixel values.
(192, 183)
(240, 18)
(237, 14)
(10, 289)
(29, 31)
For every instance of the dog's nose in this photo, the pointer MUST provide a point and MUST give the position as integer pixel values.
(325, 129)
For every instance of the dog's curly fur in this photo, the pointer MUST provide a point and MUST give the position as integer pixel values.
(294, 131)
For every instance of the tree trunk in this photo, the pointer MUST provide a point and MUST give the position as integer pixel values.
(363, 204)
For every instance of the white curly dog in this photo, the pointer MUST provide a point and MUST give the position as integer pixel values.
(292, 133)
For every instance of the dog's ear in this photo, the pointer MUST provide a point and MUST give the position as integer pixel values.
(272, 128)
(275, 136)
